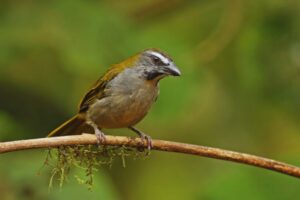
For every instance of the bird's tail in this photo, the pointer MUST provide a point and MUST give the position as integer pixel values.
(73, 126)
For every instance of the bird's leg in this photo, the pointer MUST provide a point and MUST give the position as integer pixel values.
(99, 134)
(143, 137)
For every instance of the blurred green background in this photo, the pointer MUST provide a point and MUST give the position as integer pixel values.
(240, 90)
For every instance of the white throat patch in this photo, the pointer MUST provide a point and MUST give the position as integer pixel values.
(161, 57)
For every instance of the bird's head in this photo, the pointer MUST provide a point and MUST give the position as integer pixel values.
(150, 64)
(155, 64)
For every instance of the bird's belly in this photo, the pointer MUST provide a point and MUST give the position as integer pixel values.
(122, 110)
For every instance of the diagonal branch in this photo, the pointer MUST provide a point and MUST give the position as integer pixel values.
(160, 145)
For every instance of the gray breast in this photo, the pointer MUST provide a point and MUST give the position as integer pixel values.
(128, 97)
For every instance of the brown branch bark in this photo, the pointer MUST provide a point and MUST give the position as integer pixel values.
(160, 145)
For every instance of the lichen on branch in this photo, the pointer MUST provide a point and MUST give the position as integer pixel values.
(89, 158)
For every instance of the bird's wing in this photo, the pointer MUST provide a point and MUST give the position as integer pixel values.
(94, 93)
(98, 89)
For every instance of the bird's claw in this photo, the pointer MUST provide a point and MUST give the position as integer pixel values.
(148, 140)
(100, 137)
(143, 137)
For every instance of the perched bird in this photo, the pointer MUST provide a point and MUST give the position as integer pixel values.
(122, 96)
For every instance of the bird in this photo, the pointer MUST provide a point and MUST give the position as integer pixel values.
(121, 97)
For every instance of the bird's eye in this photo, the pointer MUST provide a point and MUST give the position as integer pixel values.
(156, 60)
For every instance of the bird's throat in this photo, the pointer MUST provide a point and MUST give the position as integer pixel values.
(154, 75)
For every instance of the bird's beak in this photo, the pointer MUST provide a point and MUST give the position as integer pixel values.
(172, 70)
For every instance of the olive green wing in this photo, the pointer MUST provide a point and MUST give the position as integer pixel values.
(98, 89)
(93, 94)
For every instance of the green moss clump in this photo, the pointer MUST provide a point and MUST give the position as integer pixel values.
(88, 158)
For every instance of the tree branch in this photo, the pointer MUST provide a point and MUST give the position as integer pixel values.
(160, 145)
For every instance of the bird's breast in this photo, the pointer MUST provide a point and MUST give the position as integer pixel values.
(126, 102)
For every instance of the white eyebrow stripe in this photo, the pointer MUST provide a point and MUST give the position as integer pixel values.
(161, 57)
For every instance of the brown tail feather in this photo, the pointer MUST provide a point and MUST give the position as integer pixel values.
(75, 125)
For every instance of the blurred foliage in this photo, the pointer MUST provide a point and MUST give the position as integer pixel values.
(239, 90)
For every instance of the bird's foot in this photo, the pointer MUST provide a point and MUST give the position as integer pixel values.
(143, 137)
(148, 140)
(100, 136)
